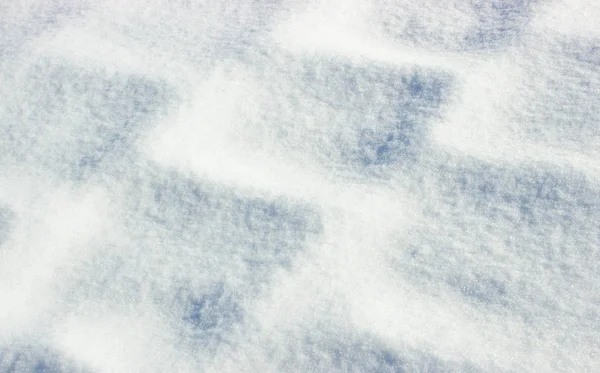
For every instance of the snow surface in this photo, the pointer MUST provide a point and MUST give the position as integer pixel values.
(299, 186)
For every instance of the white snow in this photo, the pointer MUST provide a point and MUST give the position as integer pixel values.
(300, 186)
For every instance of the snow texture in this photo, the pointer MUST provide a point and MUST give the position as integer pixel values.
(299, 186)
